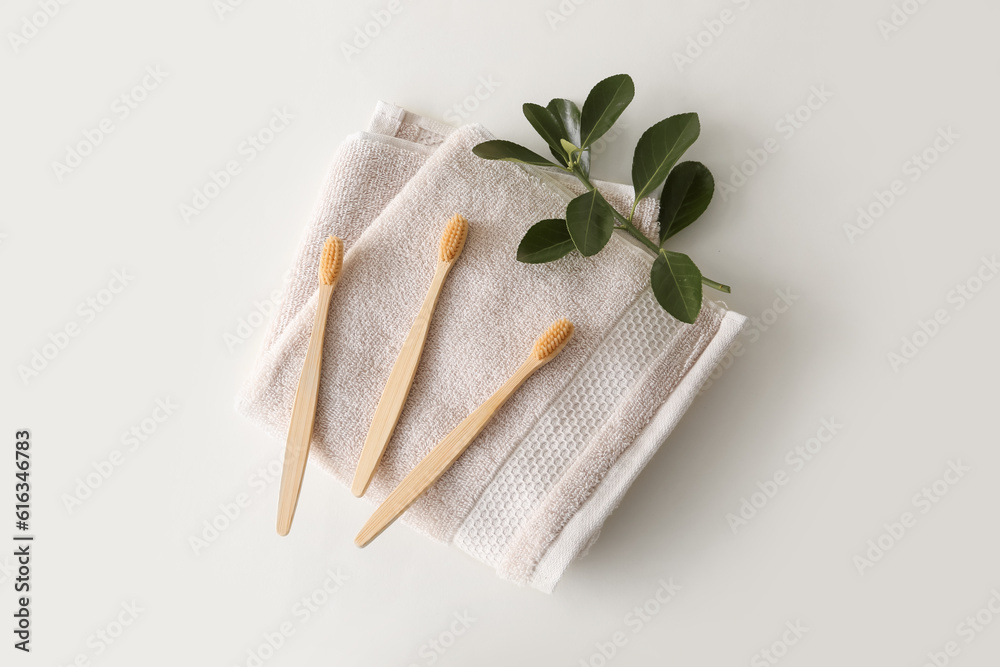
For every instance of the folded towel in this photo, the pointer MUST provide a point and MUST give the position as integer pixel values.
(532, 491)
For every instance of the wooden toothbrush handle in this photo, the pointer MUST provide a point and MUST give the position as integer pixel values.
(439, 459)
(397, 387)
(300, 428)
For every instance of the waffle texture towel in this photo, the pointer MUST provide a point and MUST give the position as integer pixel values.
(532, 491)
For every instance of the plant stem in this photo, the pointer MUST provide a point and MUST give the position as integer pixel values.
(626, 222)
(716, 286)
(634, 231)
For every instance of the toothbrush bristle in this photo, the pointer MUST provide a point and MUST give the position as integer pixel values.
(453, 239)
(332, 261)
(553, 340)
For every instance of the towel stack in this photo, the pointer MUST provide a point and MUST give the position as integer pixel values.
(532, 491)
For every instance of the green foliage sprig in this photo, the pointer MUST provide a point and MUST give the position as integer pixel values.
(590, 219)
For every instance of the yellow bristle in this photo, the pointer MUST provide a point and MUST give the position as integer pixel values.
(332, 261)
(553, 340)
(453, 239)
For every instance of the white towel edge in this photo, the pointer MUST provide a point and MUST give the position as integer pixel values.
(396, 142)
(387, 118)
(583, 526)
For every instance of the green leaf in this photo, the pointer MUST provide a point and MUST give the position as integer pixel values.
(569, 147)
(676, 282)
(567, 114)
(546, 241)
(591, 221)
(499, 149)
(686, 195)
(545, 124)
(605, 103)
(658, 150)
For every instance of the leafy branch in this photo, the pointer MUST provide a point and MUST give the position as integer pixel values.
(590, 220)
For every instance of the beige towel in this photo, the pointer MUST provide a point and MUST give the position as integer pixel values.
(535, 486)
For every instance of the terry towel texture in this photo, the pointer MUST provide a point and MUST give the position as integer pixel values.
(532, 491)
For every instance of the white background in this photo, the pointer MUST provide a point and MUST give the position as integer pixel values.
(163, 336)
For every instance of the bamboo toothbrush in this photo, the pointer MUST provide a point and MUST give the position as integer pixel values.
(300, 428)
(439, 459)
(397, 388)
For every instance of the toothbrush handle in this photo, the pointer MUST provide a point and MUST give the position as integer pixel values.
(300, 428)
(397, 387)
(441, 457)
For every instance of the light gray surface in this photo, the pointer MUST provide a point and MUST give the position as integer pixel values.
(163, 336)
